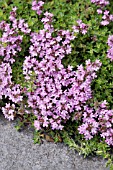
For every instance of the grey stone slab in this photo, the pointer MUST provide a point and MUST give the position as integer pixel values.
(18, 152)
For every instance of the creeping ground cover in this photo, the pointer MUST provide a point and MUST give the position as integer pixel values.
(56, 71)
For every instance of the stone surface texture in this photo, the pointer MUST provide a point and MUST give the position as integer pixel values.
(18, 152)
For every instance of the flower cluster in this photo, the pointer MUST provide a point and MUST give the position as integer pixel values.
(97, 121)
(81, 27)
(18, 25)
(101, 3)
(110, 50)
(105, 119)
(45, 45)
(9, 111)
(37, 6)
(106, 18)
(8, 90)
(10, 45)
(10, 42)
(89, 126)
(5, 78)
(56, 91)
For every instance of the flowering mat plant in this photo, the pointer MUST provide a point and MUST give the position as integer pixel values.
(56, 71)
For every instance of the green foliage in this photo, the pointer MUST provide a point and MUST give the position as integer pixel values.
(90, 46)
(24, 120)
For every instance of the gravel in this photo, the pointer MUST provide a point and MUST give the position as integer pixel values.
(18, 152)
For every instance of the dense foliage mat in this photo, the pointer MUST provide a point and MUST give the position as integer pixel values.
(56, 71)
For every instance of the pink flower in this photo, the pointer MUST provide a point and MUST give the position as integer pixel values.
(99, 11)
(37, 125)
